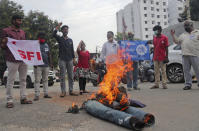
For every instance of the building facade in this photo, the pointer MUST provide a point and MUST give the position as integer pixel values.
(142, 15)
(175, 7)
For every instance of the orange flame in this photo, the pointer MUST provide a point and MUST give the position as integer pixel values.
(73, 105)
(116, 69)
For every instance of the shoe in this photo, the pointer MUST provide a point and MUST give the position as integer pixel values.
(25, 101)
(73, 94)
(165, 87)
(81, 92)
(85, 91)
(47, 96)
(129, 89)
(154, 87)
(9, 105)
(63, 94)
(136, 88)
(36, 98)
(187, 88)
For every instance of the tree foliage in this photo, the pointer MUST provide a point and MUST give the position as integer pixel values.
(33, 23)
(194, 11)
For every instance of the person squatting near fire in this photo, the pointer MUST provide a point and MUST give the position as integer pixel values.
(189, 42)
(66, 58)
(132, 76)
(83, 65)
(160, 56)
(13, 65)
(42, 71)
(109, 48)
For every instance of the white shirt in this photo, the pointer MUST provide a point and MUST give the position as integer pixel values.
(109, 49)
(190, 43)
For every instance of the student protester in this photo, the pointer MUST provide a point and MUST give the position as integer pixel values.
(13, 65)
(66, 58)
(110, 47)
(189, 42)
(83, 65)
(132, 76)
(160, 56)
(42, 71)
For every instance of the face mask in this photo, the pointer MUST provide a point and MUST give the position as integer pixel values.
(41, 41)
(156, 32)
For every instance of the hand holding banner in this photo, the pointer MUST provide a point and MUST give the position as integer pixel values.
(27, 51)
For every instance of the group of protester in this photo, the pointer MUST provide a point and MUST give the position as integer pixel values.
(188, 40)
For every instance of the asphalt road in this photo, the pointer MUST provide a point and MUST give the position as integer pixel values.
(174, 109)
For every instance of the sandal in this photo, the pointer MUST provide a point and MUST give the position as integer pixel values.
(85, 91)
(9, 105)
(25, 101)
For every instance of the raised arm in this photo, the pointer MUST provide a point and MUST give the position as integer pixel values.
(55, 32)
(174, 37)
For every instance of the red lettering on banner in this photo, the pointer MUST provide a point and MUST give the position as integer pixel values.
(30, 55)
(22, 54)
(38, 55)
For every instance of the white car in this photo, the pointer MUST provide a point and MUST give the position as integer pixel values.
(174, 67)
(30, 78)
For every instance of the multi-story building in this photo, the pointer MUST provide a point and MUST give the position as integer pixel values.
(142, 16)
(175, 7)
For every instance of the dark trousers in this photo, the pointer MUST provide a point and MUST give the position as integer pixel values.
(82, 84)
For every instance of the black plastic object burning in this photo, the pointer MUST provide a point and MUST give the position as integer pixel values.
(74, 109)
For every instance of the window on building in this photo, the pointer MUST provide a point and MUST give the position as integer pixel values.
(180, 8)
(164, 3)
(165, 16)
(158, 10)
(165, 10)
(145, 8)
(152, 8)
(152, 2)
(146, 29)
(158, 16)
(165, 23)
(157, 3)
(144, 1)
(152, 15)
(147, 36)
(145, 22)
(145, 15)
(153, 22)
(158, 23)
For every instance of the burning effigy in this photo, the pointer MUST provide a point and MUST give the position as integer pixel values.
(112, 103)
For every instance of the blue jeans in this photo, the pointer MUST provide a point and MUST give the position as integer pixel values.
(133, 73)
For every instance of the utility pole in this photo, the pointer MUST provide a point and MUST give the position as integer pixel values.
(188, 9)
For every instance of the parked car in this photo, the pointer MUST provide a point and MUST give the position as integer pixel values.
(174, 67)
(30, 78)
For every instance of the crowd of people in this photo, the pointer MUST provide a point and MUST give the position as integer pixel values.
(188, 40)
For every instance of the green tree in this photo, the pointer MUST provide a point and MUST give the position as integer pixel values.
(7, 9)
(194, 11)
(194, 8)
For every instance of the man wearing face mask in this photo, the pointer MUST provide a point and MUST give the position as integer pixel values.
(160, 56)
(14, 65)
(110, 47)
(189, 42)
(42, 71)
(66, 58)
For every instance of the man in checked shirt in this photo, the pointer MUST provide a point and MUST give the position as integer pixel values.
(13, 65)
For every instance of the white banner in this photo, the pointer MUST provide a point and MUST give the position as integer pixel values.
(26, 50)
